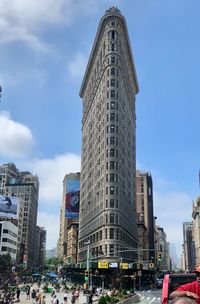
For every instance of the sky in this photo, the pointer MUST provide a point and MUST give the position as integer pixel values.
(44, 49)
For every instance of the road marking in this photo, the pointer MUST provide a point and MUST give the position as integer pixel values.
(152, 300)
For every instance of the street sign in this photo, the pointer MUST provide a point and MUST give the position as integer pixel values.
(145, 265)
(103, 265)
(151, 265)
(124, 265)
(113, 265)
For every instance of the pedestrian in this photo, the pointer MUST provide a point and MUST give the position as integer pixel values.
(33, 295)
(18, 294)
(73, 299)
(43, 300)
(28, 289)
(77, 293)
(191, 290)
(55, 300)
(65, 298)
(90, 297)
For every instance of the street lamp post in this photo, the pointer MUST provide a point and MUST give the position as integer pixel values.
(88, 265)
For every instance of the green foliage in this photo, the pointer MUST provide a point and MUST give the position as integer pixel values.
(114, 300)
(107, 298)
(132, 290)
(102, 300)
(124, 292)
(55, 261)
(5, 263)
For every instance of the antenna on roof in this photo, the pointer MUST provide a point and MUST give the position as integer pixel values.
(0, 93)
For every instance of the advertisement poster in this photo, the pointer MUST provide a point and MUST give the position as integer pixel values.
(8, 206)
(72, 198)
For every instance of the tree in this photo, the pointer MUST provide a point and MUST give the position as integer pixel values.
(7, 280)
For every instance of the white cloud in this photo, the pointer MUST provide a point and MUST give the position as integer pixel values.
(51, 222)
(24, 20)
(77, 65)
(16, 139)
(51, 173)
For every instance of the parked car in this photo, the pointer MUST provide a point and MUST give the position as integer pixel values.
(159, 283)
(173, 281)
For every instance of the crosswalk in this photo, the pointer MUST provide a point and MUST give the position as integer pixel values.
(147, 298)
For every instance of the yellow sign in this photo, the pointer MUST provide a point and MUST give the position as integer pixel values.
(102, 264)
(124, 265)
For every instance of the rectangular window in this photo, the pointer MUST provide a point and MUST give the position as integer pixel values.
(112, 116)
(112, 190)
(112, 60)
(113, 71)
(111, 203)
(112, 94)
(112, 152)
(112, 165)
(111, 233)
(112, 83)
(112, 140)
(106, 233)
(112, 177)
(111, 218)
(112, 47)
(112, 129)
(112, 105)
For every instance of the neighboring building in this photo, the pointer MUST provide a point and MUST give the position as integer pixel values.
(163, 248)
(69, 212)
(24, 186)
(40, 245)
(196, 229)
(51, 253)
(108, 170)
(72, 243)
(8, 239)
(188, 245)
(145, 217)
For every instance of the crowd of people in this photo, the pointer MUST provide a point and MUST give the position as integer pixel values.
(33, 292)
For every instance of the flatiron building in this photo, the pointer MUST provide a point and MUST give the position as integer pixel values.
(107, 215)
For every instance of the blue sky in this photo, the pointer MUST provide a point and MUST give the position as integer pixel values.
(44, 49)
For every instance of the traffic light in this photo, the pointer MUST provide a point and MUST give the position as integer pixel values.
(159, 256)
(86, 276)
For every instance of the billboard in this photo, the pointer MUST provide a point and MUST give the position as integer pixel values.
(9, 206)
(72, 199)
